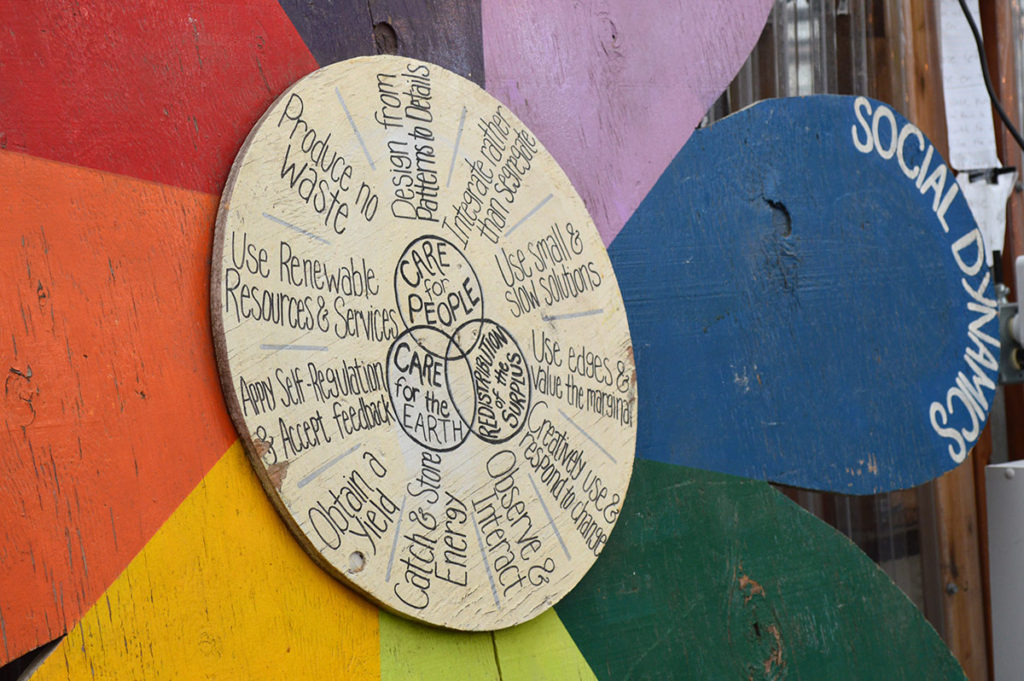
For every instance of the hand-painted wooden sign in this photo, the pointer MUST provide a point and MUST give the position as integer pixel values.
(114, 187)
(810, 301)
(107, 331)
(423, 344)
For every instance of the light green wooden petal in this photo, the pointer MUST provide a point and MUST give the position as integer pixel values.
(416, 652)
(540, 650)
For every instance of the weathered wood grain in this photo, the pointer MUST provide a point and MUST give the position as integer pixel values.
(773, 284)
(614, 88)
(223, 591)
(714, 577)
(445, 32)
(949, 553)
(112, 412)
(333, 30)
(159, 91)
(708, 576)
(101, 127)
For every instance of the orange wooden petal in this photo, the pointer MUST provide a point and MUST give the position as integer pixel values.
(112, 406)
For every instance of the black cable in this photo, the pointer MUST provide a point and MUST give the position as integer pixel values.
(988, 79)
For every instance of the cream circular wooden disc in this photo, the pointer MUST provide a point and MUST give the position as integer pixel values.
(423, 344)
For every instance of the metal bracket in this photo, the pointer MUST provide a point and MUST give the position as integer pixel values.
(990, 175)
(1011, 330)
(1011, 354)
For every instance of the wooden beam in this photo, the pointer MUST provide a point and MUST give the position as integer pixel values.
(1002, 63)
(954, 545)
(1001, 31)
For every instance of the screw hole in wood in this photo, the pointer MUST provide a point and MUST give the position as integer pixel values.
(384, 38)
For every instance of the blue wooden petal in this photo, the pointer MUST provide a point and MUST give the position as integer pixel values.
(799, 311)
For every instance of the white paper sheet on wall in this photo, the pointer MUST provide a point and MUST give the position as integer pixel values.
(972, 137)
(968, 110)
(988, 205)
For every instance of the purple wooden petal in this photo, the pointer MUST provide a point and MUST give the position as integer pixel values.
(613, 89)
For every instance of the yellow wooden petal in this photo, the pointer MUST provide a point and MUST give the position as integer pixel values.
(222, 591)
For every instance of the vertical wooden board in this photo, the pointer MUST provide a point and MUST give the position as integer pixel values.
(112, 411)
(162, 91)
(334, 30)
(614, 89)
(714, 577)
(961, 570)
(222, 591)
(951, 548)
(444, 32)
(773, 282)
(540, 649)
(410, 651)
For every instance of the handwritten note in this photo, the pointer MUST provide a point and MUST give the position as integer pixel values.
(968, 110)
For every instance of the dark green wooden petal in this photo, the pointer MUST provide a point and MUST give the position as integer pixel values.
(708, 576)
